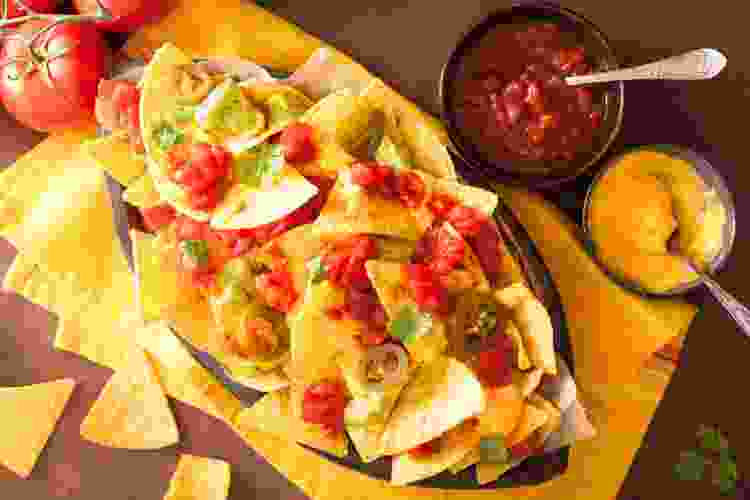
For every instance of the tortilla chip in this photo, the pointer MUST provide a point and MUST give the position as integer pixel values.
(272, 414)
(427, 147)
(511, 296)
(527, 381)
(522, 358)
(471, 196)
(468, 460)
(271, 381)
(199, 478)
(115, 156)
(295, 103)
(554, 417)
(455, 444)
(532, 418)
(487, 473)
(535, 325)
(350, 209)
(315, 339)
(182, 377)
(31, 414)
(428, 405)
(159, 98)
(503, 411)
(131, 410)
(470, 264)
(142, 193)
(161, 287)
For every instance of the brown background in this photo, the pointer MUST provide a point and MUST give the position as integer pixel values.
(406, 43)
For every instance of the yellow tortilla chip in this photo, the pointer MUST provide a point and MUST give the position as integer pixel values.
(532, 418)
(522, 358)
(468, 460)
(527, 381)
(161, 286)
(272, 414)
(455, 444)
(470, 264)
(131, 410)
(142, 193)
(487, 473)
(427, 147)
(315, 338)
(199, 478)
(32, 413)
(511, 296)
(427, 407)
(471, 196)
(246, 207)
(503, 412)
(386, 279)
(182, 377)
(554, 417)
(116, 157)
(350, 209)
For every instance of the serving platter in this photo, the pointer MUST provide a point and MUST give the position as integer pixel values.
(534, 470)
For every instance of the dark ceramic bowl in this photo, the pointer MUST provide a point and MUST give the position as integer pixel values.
(533, 173)
(713, 181)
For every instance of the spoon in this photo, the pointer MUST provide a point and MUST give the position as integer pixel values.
(734, 307)
(701, 64)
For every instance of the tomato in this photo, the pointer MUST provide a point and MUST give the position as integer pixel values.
(191, 229)
(486, 245)
(324, 403)
(345, 264)
(466, 220)
(521, 450)
(298, 140)
(155, 218)
(440, 204)
(425, 449)
(429, 295)
(40, 6)
(364, 174)
(52, 85)
(448, 251)
(495, 366)
(129, 15)
(411, 189)
(199, 168)
(276, 289)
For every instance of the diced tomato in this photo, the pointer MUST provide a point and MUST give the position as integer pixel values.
(205, 278)
(199, 168)
(411, 189)
(299, 143)
(440, 204)
(521, 450)
(495, 367)
(425, 449)
(365, 174)
(276, 289)
(125, 96)
(429, 294)
(191, 229)
(324, 403)
(155, 218)
(486, 245)
(447, 253)
(206, 200)
(374, 337)
(466, 220)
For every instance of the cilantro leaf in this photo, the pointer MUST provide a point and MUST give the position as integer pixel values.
(167, 136)
(691, 467)
(259, 162)
(492, 449)
(317, 270)
(725, 475)
(195, 250)
(410, 324)
(712, 440)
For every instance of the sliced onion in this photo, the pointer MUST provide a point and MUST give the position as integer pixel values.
(241, 68)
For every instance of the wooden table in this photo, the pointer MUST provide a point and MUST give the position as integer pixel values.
(406, 43)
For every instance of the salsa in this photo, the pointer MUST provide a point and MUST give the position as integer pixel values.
(512, 99)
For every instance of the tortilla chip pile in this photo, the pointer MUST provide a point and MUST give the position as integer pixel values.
(381, 310)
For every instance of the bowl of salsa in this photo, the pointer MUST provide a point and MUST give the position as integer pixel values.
(510, 114)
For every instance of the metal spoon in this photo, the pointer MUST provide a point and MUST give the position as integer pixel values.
(701, 64)
(734, 307)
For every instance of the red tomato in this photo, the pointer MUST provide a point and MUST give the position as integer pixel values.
(440, 204)
(411, 189)
(191, 229)
(276, 288)
(425, 449)
(299, 143)
(447, 252)
(364, 174)
(520, 450)
(60, 93)
(429, 295)
(199, 168)
(495, 367)
(155, 218)
(129, 15)
(41, 6)
(467, 221)
(324, 403)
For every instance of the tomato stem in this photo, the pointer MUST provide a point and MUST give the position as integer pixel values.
(103, 14)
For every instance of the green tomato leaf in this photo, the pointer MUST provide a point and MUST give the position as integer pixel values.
(492, 449)
(195, 250)
(410, 324)
(711, 439)
(167, 136)
(317, 270)
(691, 467)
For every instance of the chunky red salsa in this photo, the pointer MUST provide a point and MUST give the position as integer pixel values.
(324, 403)
(513, 101)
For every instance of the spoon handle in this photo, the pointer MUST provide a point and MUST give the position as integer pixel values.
(739, 312)
(700, 64)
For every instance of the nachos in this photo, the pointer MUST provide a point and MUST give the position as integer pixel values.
(323, 251)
